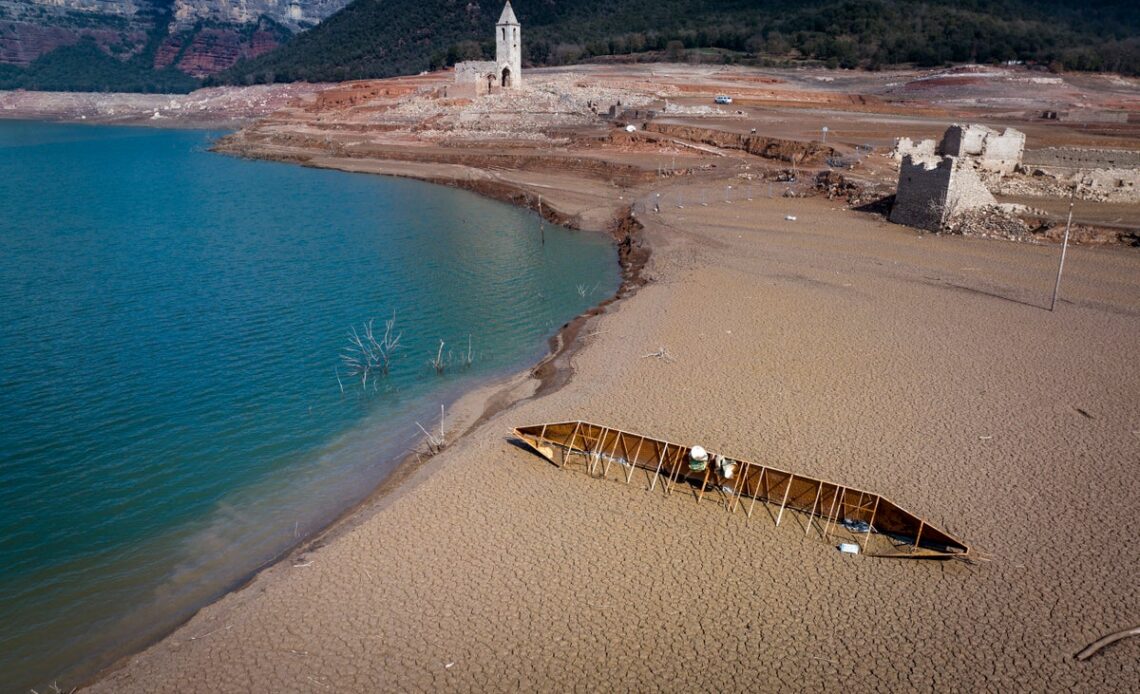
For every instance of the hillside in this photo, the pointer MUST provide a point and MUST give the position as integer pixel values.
(141, 45)
(173, 45)
(373, 38)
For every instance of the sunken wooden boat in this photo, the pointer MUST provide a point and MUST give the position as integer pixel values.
(877, 525)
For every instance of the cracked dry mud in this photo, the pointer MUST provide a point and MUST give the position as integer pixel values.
(922, 368)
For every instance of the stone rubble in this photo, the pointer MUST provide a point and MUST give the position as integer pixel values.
(546, 103)
(1098, 185)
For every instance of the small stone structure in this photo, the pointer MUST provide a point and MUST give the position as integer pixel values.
(932, 190)
(1091, 116)
(478, 77)
(990, 150)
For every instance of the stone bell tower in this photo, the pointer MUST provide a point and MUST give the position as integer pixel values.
(508, 49)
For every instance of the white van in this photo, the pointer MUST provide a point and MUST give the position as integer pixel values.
(723, 99)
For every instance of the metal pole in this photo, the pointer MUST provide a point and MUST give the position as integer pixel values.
(1064, 248)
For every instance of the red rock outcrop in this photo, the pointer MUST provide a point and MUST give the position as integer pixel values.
(23, 42)
(203, 37)
(212, 50)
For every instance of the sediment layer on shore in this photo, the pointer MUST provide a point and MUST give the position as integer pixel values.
(804, 333)
(835, 344)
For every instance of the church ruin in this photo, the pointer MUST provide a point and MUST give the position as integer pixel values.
(477, 77)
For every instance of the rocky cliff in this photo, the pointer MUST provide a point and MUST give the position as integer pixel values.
(198, 37)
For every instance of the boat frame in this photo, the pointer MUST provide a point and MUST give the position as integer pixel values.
(833, 509)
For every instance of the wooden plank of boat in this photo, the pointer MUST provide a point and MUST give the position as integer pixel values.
(829, 507)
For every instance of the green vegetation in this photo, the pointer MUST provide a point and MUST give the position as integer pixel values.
(380, 38)
(377, 38)
(85, 68)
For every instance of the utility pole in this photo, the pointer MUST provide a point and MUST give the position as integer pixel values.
(1064, 247)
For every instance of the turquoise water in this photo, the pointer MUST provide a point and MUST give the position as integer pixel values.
(170, 413)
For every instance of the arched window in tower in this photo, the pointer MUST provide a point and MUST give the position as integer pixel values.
(504, 33)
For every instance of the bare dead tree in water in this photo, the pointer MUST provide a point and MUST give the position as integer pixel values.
(470, 358)
(584, 291)
(439, 364)
(367, 357)
(435, 443)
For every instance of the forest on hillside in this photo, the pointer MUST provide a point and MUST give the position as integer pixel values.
(381, 38)
(375, 38)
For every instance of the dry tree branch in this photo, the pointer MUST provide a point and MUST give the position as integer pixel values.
(1092, 649)
(435, 443)
(662, 354)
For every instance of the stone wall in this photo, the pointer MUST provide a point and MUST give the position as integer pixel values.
(923, 185)
(1088, 116)
(932, 190)
(990, 149)
(963, 140)
(967, 191)
(1003, 152)
(474, 77)
(905, 146)
(1075, 158)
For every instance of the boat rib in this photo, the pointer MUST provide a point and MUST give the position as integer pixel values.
(879, 526)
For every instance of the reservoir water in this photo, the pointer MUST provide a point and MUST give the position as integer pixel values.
(171, 324)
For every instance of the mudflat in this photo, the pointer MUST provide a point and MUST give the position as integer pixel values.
(925, 368)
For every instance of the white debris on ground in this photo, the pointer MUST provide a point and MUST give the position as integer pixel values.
(458, 136)
(1097, 185)
(698, 110)
(546, 103)
(203, 105)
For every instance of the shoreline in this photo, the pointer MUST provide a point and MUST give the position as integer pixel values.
(211, 108)
(814, 336)
(443, 564)
(552, 372)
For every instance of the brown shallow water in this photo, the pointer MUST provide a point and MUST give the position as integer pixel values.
(923, 368)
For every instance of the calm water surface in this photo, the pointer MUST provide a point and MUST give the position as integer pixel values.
(170, 328)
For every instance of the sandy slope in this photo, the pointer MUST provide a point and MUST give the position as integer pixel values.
(924, 368)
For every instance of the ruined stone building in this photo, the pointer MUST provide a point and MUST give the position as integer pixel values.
(940, 180)
(476, 77)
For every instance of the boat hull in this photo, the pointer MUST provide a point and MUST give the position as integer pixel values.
(833, 509)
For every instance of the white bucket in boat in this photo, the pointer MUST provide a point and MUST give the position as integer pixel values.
(698, 459)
